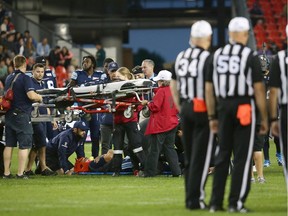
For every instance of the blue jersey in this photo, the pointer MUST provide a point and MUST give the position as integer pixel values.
(64, 145)
(49, 78)
(22, 85)
(81, 77)
(106, 79)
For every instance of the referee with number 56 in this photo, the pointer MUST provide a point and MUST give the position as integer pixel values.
(235, 79)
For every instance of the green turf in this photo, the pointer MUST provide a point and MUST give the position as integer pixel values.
(126, 195)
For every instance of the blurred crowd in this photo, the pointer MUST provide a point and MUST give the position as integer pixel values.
(12, 43)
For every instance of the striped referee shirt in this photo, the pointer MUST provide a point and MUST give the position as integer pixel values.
(278, 75)
(189, 73)
(233, 71)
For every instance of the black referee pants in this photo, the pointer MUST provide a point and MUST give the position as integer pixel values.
(283, 137)
(198, 143)
(236, 139)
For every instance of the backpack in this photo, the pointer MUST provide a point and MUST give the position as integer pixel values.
(7, 98)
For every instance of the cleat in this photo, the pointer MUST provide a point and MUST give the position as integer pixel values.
(116, 174)
(214, 209)
(252, 180)
(235, 210)
(279, 159)
(22, 177)
(266, 163)
(141, 174)
(38, 170)
(48, 172)
(29, 172)
(261, 180)
(201, 205)
(10, 176)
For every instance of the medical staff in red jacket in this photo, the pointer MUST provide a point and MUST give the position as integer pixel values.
(162, 126)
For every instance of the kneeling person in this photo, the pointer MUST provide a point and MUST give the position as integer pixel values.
(61, 147)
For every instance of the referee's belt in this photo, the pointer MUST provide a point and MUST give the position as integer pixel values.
(236, 98)
(199, 104)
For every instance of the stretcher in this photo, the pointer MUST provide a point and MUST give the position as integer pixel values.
(73, 103)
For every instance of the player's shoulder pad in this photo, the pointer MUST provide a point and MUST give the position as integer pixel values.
(50, 73)
(28, 73)
(103, 76)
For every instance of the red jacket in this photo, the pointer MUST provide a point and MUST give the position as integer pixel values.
(163, 113)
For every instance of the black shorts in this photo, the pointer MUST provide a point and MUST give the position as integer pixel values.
(39, 135)
(95, 167)
(18, 129)
(52, 161)
(258, 143)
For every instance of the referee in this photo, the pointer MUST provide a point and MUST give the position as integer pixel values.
(278, 83)
(235, 75)
(187, 88)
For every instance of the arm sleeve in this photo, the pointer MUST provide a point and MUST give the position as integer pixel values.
(208, 68)
(80, 150)
(156, 104)
(62, 148)
(256, 69)
(275, 80)
(28, 84)
(74, 76)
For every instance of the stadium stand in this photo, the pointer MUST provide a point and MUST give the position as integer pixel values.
(270, 28)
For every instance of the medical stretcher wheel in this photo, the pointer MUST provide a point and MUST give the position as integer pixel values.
(69, 116)
(128, 113)
(146, 112)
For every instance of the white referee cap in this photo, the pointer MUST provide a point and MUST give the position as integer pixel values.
(201, 29)
(163, 75)
(238, 24)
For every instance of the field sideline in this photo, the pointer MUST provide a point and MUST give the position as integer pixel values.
(127, 195)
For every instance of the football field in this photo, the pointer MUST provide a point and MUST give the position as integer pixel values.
(127, 195)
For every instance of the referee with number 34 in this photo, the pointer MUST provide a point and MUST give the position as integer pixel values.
(235, 78)
(187, 88)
